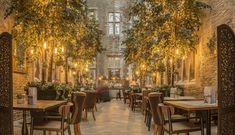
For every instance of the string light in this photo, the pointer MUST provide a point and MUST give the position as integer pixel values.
(55, 50)
(45, 45)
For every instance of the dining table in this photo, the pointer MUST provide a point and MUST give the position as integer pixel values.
(182, 98)
(40, 105)
(199, 106)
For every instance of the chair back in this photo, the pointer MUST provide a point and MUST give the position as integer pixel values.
(64, 110)
(154, 99)
(165, 114)
(78, 99)
(90, 100)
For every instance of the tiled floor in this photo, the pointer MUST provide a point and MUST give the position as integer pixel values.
(113, 118)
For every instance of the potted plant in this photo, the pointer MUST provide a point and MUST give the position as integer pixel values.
(20, 98)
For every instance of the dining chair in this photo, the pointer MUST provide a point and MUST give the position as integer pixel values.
(177, 127)
(135, 102)
(154, 99)
(148, 114)
(78, 99)
(144, 101)
(50, 123)
(90, 102)
(125, 96)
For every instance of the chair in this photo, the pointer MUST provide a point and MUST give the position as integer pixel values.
(148, 114)
(125, 96)
(49, 123)
(78, 99)
(144, 101)
(154, 99)
(90, 102)
(171, 127)
(135, 102)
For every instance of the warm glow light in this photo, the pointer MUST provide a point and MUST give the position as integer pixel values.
(62, 49)
(74, 73)
(154, 74)
(55, 50)
(100, 78)
(86, 69)
(177, 51)
(127, 78)
(137, 72)
(143, 66)
(45, 45)
(76, 64)
(31, 51)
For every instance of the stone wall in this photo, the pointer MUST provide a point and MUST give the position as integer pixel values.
(223, 12)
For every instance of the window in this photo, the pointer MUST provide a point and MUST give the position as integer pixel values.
(192, 67)
(185, 69)
(114, 20)
(114, 67)
(113, 62)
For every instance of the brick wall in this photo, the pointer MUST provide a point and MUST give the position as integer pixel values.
(222, 12)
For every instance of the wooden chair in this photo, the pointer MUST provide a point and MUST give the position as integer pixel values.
(148, 114)
(135, 102)
(144, 101)
(125, 96)
(51, 124)
(78, 100)
(154, 99)
(177, 127)
(90, 102)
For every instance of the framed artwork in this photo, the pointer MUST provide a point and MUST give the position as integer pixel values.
(19, 58)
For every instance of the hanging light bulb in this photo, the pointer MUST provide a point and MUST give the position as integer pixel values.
(55, 50)
(31, 51)
(45, 45)
(62, 49)
(177, 51)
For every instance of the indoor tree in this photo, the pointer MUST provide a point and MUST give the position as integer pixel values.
(163, 30)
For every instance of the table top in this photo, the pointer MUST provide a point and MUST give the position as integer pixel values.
(40, 105)
(192, 105)
(182, 98)
(138, 94)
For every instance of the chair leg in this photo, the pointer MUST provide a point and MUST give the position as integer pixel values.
(155, 129)
(77, 130)
(95, 108)
(44, 132)
(69, 130)
(149, 121)
(31, 127)
(49, 132)
(160, 130)
(93, 115)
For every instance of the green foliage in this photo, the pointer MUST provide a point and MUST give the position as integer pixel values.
(63, 91)
(162, 29)
(62, 23)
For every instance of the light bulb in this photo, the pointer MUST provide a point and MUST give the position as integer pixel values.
(45, 45)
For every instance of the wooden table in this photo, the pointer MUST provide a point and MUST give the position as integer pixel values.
(41, 105)
(182, 98)
(199, 106)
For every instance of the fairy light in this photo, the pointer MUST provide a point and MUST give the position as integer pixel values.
(45, 45)
(55, 50)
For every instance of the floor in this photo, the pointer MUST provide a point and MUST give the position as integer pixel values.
(112, 118)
